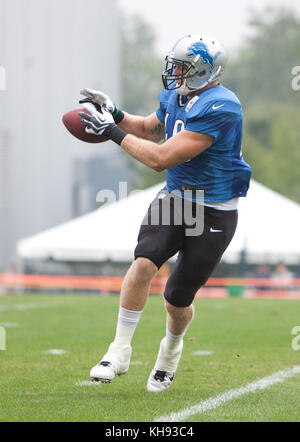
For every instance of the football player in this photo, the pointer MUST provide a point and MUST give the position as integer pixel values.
(201, 124)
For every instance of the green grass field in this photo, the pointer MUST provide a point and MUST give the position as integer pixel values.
(249, 340)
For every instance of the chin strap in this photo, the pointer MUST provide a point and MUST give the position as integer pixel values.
(215, 75)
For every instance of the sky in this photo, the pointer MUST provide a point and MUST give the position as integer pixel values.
(226, 20)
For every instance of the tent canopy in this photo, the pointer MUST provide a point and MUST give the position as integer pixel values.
(267, 231)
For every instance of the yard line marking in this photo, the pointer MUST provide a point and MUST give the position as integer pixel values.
(214, 402)
(87, 384)
(202, 352)
(28, 306)
(55, 351)
(9, 324)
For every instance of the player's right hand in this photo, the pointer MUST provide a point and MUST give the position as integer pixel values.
(98, 98)
(97, 123)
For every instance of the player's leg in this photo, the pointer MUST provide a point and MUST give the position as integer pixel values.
(196, 261)
(137, 281)
(171, 346)
(178, 318)
(155, 245)
(199, 256)
(134, 293)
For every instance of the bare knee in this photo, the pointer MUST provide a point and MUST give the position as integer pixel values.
(143, 269)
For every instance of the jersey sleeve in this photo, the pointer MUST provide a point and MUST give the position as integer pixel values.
(215, 121)
(163, 101)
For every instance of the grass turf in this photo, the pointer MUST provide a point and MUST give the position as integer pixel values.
(250, 339)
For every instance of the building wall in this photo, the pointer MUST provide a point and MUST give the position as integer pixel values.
(50, 49)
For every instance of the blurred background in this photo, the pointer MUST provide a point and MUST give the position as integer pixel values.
(50, 49)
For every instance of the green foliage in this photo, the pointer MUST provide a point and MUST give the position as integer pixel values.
(141, 84)
(142, 68)
(262, 68)
(271, 145)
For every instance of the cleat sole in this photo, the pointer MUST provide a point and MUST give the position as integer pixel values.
(103, 381)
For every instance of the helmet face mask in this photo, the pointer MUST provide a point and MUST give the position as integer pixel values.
(198, 61)
(173, 81)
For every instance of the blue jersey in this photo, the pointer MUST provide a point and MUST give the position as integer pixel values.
(220, 170)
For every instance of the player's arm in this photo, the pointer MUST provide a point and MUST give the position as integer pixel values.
(178, 149)
(182, 147)
(149, 128)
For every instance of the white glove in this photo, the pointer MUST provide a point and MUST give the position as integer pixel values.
(99, 98)
(97, 123)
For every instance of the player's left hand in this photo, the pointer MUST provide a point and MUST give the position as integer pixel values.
(99, 99)
(97, 123)
(102, 101)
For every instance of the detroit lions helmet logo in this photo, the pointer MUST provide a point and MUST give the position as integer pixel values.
(199, 48)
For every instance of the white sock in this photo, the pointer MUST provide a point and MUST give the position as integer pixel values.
(127, 322)
(172, 341)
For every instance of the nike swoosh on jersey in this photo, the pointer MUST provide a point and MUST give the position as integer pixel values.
(214, 231)
(217, 107)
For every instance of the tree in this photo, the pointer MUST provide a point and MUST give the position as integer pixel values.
(141, 84)
(271, 146)
(141, 68)
(262, 67)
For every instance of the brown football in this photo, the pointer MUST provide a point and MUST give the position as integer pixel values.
(72, 121)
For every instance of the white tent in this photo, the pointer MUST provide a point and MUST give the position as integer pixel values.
(267, 231)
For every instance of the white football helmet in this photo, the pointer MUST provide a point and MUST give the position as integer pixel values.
(198, 60)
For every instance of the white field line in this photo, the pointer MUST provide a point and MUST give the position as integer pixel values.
(202, 352)
(9, 324)
(55, 351)
(27, 306)
(214, 402)
(87, 384)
